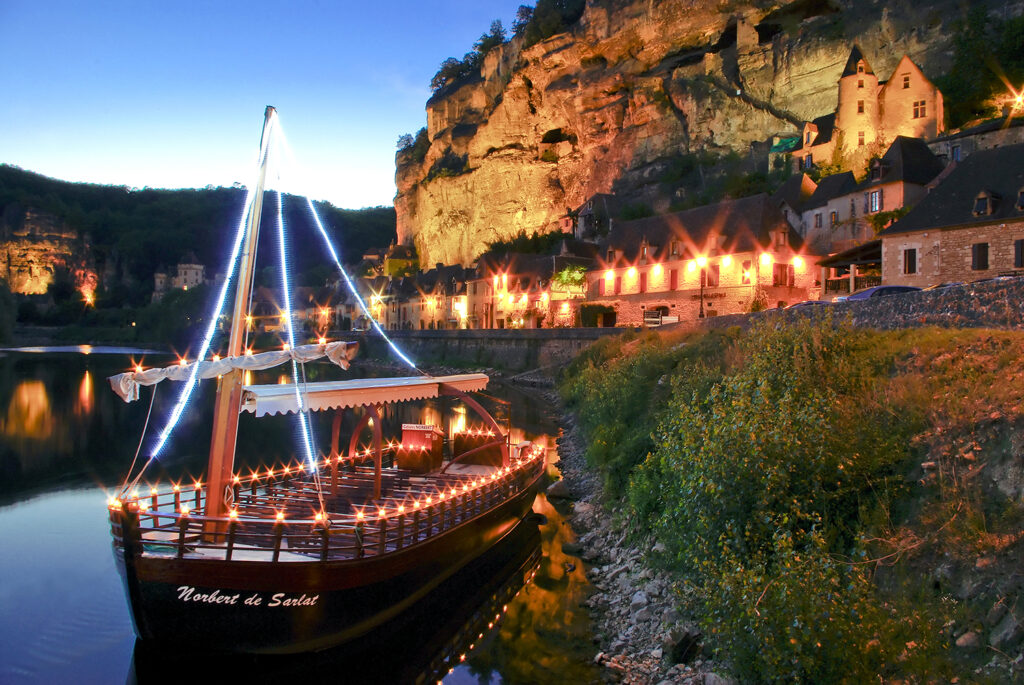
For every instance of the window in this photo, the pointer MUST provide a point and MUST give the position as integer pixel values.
(643, 252)
(747, 275)
(853, 207)
(920, 110)
(807, 140)
(860, 106)
(1020, 199)
(833, 218)
(860, 83)
(817, 220)
(910, 260)
(906, 81)
(710, 275)
(643, 282)
(674, 246)
(860, 67)
(955, 153)
(780, 239)
(979, 256)
(1018, 253)
(611, 256)
(985, 203)
(860, 138)
(782, 275)
(808, 162)
(876, 170)
(875, 201)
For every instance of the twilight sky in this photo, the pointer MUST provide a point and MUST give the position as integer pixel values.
(171, 94)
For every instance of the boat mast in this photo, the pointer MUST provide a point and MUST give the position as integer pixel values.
(230, 385)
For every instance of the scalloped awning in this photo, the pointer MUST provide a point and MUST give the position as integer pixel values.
(281, 399)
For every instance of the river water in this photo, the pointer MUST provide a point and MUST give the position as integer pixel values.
(515, 616)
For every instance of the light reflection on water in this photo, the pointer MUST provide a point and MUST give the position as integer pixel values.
(66, 437)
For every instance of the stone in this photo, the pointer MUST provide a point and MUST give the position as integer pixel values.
(657, 652)
(642, 615)
(599, 658)
(559, 490)
(996, 613)
(715, 679)
(969, 640)
(658, 548)
(1007, 633)
(638, 600)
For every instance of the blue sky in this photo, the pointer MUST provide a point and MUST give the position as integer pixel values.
(171, 94)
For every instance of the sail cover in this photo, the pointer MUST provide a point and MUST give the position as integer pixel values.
(126, 385)
(281, 399)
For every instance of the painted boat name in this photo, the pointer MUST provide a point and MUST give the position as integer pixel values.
(187, 593)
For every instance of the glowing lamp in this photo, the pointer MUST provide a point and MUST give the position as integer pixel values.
(609, 274)
(184, 509)
(430, 500)
(319, 516)
(233, 514)
(152, 491)
(286, 347)
(237, 479)
(382, 513)
(564, 308)
(216, 357)
(183, 362)
(359, 516)
(248, 352)
(656, 270)
(691, 265)
(746, 275)
(401, 508)
(138, 368)
(322, 340)
(798, 262)
(279, 516)
(177, 487)
(114, 503)
(198, 485)
(632, 272)
(702, 261)
(416, 504)
(727, 261)
(766, 259)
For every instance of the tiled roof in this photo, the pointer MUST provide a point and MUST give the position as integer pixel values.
(831, 187)
(732, 226)
(999, 171)
(908, 160)
(797, 190)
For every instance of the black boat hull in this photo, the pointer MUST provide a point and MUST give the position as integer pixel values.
(288, 607)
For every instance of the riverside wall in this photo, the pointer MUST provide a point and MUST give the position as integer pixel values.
(512, 351)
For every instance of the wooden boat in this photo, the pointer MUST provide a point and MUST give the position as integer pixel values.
(319, 551)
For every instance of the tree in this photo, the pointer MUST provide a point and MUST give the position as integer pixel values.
(405, 142)
(523, 17)
(490, 40)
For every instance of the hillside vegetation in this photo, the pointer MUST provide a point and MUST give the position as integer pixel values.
(835, 504)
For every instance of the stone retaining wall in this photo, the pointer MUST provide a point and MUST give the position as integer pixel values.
(508, 350)
(993, 304)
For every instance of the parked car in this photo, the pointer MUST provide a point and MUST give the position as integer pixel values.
(876, 291)
(942, 286)
(807, 303)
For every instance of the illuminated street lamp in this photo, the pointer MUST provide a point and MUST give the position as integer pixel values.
(702, 262)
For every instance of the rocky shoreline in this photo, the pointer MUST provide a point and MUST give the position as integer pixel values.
(640, 636)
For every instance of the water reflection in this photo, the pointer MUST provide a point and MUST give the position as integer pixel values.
(64, 616)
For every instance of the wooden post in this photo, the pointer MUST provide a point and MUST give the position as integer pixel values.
(182, 527)
(401, 532)
(335, 433)
(415, 525)
(232, 526)
(278, 535)
(382, 542)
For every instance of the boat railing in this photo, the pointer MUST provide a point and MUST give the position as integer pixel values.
(276, 517)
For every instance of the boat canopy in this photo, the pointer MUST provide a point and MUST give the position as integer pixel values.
(126, 385)
(281, 399)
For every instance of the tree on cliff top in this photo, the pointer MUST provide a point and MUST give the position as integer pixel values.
(546, 19)
(453, 70)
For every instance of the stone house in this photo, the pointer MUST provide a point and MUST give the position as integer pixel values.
(969, 227)
(955, 147)
(870, 114)
(791, 196)
(840, 217)
(708, 261)
(523, 290)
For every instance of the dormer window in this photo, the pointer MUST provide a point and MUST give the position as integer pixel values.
(985, 203)
(675, 248)
(876, 170)
(1020, 200)
(860, 67)
(611, 256)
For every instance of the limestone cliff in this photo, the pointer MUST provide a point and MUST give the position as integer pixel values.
(36, 246)
(603, 107)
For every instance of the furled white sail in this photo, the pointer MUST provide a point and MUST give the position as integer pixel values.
(126, 385)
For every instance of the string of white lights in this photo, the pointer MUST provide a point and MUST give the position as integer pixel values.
(303, 419)
(355, 293)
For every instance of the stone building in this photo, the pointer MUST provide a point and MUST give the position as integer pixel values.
(724, 258)
(839, 214)
(954, 147)
(870, 114)
(969, 227)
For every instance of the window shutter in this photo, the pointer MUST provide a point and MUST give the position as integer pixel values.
(881, 200)
(867, 207)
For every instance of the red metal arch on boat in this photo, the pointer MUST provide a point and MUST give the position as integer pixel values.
(370, 413)
(450, 391)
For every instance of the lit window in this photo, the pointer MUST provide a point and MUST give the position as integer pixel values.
(920, 109)
(910, 261)
(808, 138)
(709, 277)
(875, 201)
(860, 106)
(783, 275)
